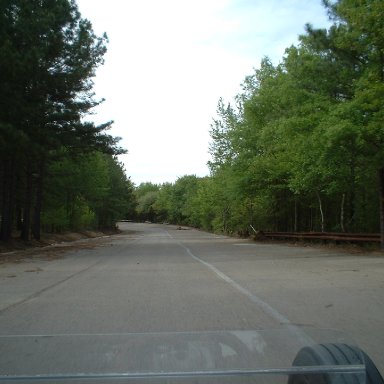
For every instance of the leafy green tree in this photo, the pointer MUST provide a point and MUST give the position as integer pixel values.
(202, 205)
(221, 147)
(162, 206)
(308, 132)
(180, 200)
(90, 191)
(118, 202)
(356, 38)
(146, 195)
(170, 202)
(48, 56)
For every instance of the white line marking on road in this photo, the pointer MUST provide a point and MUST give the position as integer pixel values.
(266, 308)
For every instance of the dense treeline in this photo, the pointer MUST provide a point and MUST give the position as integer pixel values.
(91, 191)
(303, 148)
(57, 171)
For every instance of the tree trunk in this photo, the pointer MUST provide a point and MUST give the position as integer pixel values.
(8, 195)
(225, 216)
(250, 212)
(36, 225)
(295, 223)
(27, 204)
(342, 213)
(4, 206)
(381, 191)
(351, 224)
(321, 211)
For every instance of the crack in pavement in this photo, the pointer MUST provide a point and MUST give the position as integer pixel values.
(43, 290)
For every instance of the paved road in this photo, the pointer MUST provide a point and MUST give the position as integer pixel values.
(155, 278)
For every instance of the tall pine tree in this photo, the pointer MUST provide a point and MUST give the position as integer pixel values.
(48, 57)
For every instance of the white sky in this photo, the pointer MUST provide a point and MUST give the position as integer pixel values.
(169, 62)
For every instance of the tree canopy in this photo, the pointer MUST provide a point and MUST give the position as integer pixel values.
(48, 57)
(302, 146)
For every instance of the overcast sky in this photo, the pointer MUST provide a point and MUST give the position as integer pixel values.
(169, 62)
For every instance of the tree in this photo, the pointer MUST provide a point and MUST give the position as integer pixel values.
(221, 147)
(48, 56)
(118, 202)
(356, 38)
(90, 191)
(146, 195)
(180, 209)
(308, 132)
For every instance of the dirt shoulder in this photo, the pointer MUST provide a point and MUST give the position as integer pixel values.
(50, 245)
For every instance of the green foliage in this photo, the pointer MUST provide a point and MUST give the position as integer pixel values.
(55, 219)
(146, 196)
(302, 148)
(308, 137)
(90, 191)
(180, 208)
(48, 57)
(81, 215)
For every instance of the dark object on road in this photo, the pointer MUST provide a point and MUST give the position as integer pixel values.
(334, 355)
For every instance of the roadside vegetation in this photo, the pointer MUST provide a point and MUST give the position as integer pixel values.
(302, 147)
(58, 171)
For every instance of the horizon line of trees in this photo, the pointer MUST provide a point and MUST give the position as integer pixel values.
(57, 170)
(302, 149)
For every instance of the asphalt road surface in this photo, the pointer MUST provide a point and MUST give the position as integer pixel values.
(156, 278)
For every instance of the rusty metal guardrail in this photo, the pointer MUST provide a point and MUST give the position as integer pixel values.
(330, 236)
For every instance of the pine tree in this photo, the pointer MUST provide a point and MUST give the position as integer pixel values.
(48, 57)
